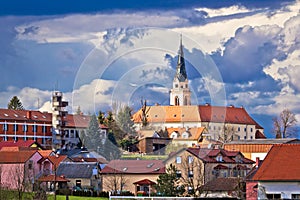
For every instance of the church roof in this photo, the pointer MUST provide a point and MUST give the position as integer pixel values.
(180, 70)
(195, 113)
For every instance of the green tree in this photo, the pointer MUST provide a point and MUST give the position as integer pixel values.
(92, 139)
(167, 184)
(101, 117)
(125, 123)
(78, 111)
(284, 125)
(110, 149)
(15, 104)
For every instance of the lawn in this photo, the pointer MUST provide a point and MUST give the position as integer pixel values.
(61, 197)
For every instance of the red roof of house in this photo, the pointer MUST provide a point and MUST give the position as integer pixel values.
(19, 143)
(16, 156)
(24, 115)
(281, 164)
(77, 120)
(44, 117)
(134, 167)
(55, 160)
(259, 135)
(51, 177)
(223, 114)
(209, 155)
(144, 182)
(222, 184)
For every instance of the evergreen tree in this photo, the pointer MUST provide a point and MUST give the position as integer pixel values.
(91, 139)
(15, 104)
(78, 111)
(167, 183)
(110, 149)
(125, 122)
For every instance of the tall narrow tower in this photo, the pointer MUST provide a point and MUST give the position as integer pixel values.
(180, 94)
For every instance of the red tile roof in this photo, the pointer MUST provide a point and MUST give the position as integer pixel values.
(223, 114)
(222, 184)
(25, 115)
(209, 155)
(281, 164)
(201, 113)
(51, 177)
(19, 143)
(134, 167)
(259, 135)
(55, 160)
(45, 117)
(15, 156)
(81, 121)
(145, 182)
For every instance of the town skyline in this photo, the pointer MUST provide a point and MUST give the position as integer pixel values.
(127, 53)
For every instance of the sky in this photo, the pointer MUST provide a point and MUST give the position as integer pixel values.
(103, 53)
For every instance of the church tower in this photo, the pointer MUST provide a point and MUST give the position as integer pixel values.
(180, 94)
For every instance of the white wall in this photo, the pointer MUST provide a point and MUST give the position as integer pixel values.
(286, 189)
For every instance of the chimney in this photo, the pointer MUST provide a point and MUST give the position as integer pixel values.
(28, 114)
(257, 161)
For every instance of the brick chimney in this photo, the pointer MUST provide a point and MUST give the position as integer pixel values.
(28, 114)
(257, 161)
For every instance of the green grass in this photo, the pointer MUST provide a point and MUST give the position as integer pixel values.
(144, 157)
(61, 197)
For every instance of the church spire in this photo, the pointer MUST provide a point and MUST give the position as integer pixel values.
(180, 70)
(180, 94)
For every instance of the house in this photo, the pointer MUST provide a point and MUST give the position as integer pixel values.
(134, 176)
(253, 149)
(230, 187)
(279, 174)
(84, 175)
(204, 165)
(151, 141)
(19, 169)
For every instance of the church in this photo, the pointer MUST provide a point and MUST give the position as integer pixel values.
(180, 119)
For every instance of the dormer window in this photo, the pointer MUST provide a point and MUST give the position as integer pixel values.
(185, 135)
(174, 135)
(219, 158)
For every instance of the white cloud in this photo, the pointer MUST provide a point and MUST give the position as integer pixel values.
(224, 11)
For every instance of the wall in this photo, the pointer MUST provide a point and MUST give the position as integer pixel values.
(286, 189)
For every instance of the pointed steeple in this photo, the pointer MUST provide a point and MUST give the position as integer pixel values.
(180, 94)
(180, 70)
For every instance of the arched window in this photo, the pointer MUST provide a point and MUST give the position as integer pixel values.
(176, 101)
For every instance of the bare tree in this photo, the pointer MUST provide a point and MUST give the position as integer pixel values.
(192, 175)
(284, 125)
(227, 134)
(115, 182)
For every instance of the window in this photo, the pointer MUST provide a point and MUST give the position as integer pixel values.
(245, 137)
(5, 127)
(34, 128)
(219, 158)
(251, 129)
(274, 196)
(251, 137)
(239, 129)
(30, 164)
(245, 129)
(178, 174)
(178, 159)
(15, 127)
(295, 196)
(5, 138)
(191, 174)
(25, 127)
(239, 137)
(176, 85)
(78, 183)
(44, 129)
(190, 159)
